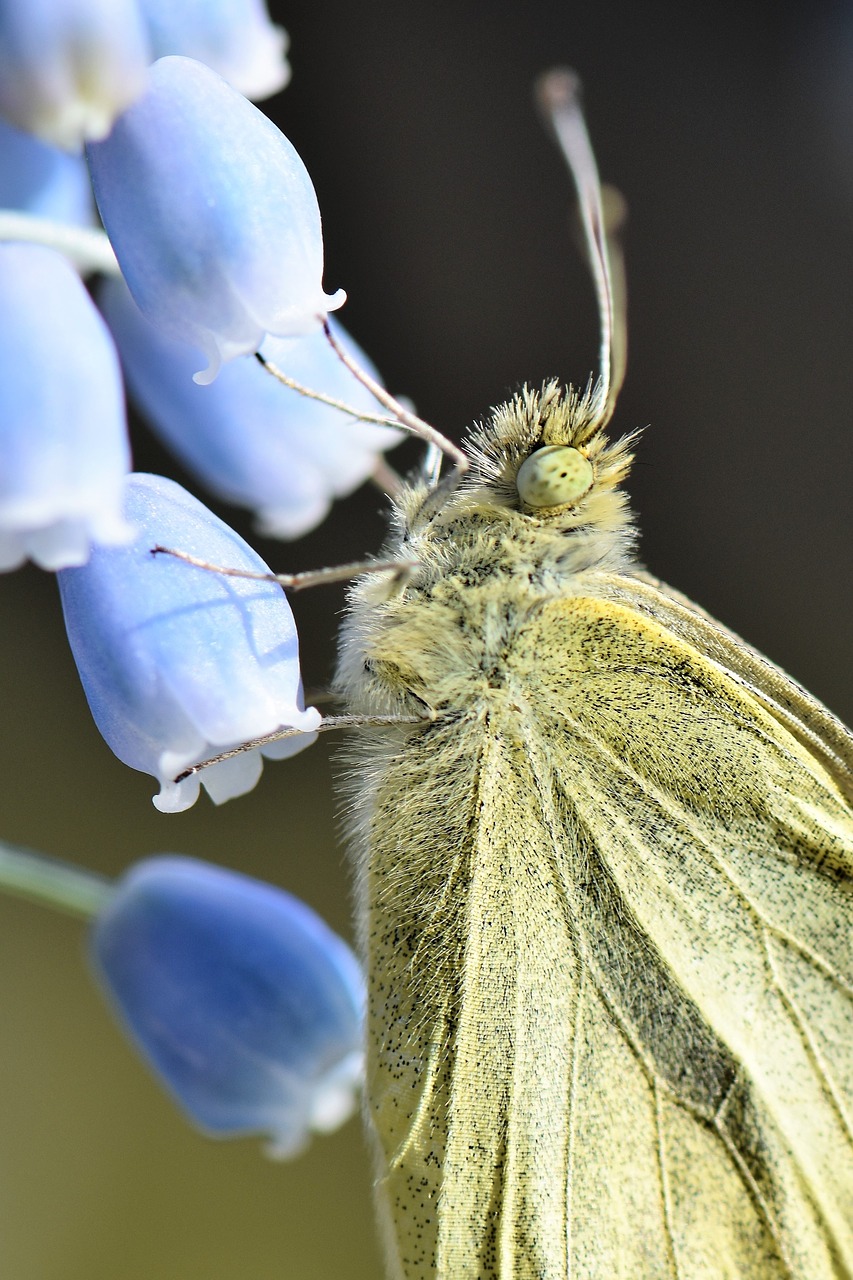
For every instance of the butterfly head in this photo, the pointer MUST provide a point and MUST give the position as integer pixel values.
(544, 454)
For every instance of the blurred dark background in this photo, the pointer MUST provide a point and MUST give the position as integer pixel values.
(729, 128)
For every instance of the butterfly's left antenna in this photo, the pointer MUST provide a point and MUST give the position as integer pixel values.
(558, 94)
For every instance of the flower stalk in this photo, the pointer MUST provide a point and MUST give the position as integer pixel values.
(52, 883)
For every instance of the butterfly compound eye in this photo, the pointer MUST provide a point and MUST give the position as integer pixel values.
(554, 476)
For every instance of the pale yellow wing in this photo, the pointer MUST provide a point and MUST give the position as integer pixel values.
(708, 862)
(817, 728)
(473, 1001)
(608, 905)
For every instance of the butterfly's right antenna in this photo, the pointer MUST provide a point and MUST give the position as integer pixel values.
(402, 415)
(558, 95)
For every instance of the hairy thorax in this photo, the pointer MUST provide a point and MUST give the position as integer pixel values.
(437, 640)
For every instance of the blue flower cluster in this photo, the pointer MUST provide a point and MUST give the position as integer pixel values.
(69, 67)
(248, 1007)
(214, 223)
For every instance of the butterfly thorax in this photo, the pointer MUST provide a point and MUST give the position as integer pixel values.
(483, 560)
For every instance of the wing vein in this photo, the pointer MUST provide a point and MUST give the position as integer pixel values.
(700, 836)
(666, 1193)
(808, 1040)
(752, 1185)
(573, 1098)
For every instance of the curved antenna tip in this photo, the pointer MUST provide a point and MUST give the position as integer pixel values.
(558, 95)
(559, 87)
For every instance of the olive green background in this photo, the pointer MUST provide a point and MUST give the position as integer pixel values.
(728, 127)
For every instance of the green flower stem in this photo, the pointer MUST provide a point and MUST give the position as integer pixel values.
(51, 882)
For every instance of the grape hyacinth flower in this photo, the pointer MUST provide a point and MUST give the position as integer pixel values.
(63, 443)
(212, 216)
(251, 440)
(68, 66)
(245, 1003)
(233, 37)
(179, 663)
(43, 180)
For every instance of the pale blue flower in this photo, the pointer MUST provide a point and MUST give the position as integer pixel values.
(251, 440)
(42, 180)
(68, 66)
(245, 1003)
(212, 216)
(178, 663)
(234, 37)
(63, 443)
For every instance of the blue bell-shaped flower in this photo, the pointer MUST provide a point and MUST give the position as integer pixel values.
(212, 216)
(179, 663)
(234, 37)
(63, 442)
(251, 440)
(245, 1003)
(43, 180)
(68, 66)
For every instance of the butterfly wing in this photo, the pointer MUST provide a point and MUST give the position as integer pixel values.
(607, 899)
(822, 733)
(707, 853)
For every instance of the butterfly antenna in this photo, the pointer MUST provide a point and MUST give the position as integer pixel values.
(403, 416)
(558, 94)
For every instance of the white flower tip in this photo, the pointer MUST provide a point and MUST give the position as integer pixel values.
(220, 349)
(64, 557)
(75, 124)
(287, 1144)
(88, 112)
(204, 377)
(308, 720)
(112, 529)
(227, 779)
(268, 71)
(64, 543)
(336, 300)
(234, 777)
(328, 1104)
(175, 797)
(292, 520)
(334, 1098)
(222, 781)
(12, 554)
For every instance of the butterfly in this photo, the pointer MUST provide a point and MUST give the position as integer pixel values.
(604, 877)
